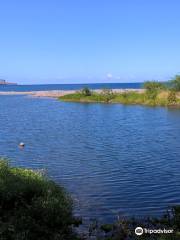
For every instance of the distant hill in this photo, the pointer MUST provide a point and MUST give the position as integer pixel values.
(3, 82)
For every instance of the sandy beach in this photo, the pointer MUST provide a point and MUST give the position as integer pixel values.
(60, 93)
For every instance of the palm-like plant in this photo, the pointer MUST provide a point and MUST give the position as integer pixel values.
(175, 83)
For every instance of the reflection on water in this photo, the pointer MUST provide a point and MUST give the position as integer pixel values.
(114, 159)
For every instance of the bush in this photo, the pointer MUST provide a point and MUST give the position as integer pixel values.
(172, 98)
(152, 89)
(107, 94)
(153, 85)
(86, 92)
(32, 207)
(152, 94)
(175, 83)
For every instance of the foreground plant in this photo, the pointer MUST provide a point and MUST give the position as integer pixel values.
(32, 207)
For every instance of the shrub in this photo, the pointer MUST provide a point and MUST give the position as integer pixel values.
(32, 207)
(153, 85)
(107, 94)
(86, 91)
(152, 89)
(152, 94)
(175, 83)
(172, 97)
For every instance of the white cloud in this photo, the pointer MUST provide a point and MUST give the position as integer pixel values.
(109, 75)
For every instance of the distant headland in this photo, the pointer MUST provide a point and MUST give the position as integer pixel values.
(4, 82)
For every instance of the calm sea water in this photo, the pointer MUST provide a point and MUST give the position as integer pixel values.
(68, 86)
(113, 159)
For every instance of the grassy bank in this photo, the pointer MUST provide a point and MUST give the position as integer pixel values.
(154, 94)
(32, 207)
(128, 97)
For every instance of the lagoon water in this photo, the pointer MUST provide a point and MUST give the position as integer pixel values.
(113, 159)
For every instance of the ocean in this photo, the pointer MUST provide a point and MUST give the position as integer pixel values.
(46, 87)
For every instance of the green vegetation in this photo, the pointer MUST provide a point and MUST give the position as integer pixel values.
(124, 228)
(33, 207)
(153, 85)
(154, 94)
(130, 97)
(107, 95)
(175, 83)
(152, 89)
(80, 97)
(172, 99)
(86, 92)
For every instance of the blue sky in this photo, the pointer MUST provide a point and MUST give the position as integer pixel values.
(75, 41)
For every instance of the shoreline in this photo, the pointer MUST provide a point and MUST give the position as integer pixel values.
(60, 93)
(126, 96)
(164, 98)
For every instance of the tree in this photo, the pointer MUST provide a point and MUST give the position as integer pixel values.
(153, 85)
(152, 88)
(86, 91)
(175, 83)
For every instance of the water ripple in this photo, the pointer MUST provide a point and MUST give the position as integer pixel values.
(113, 159)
